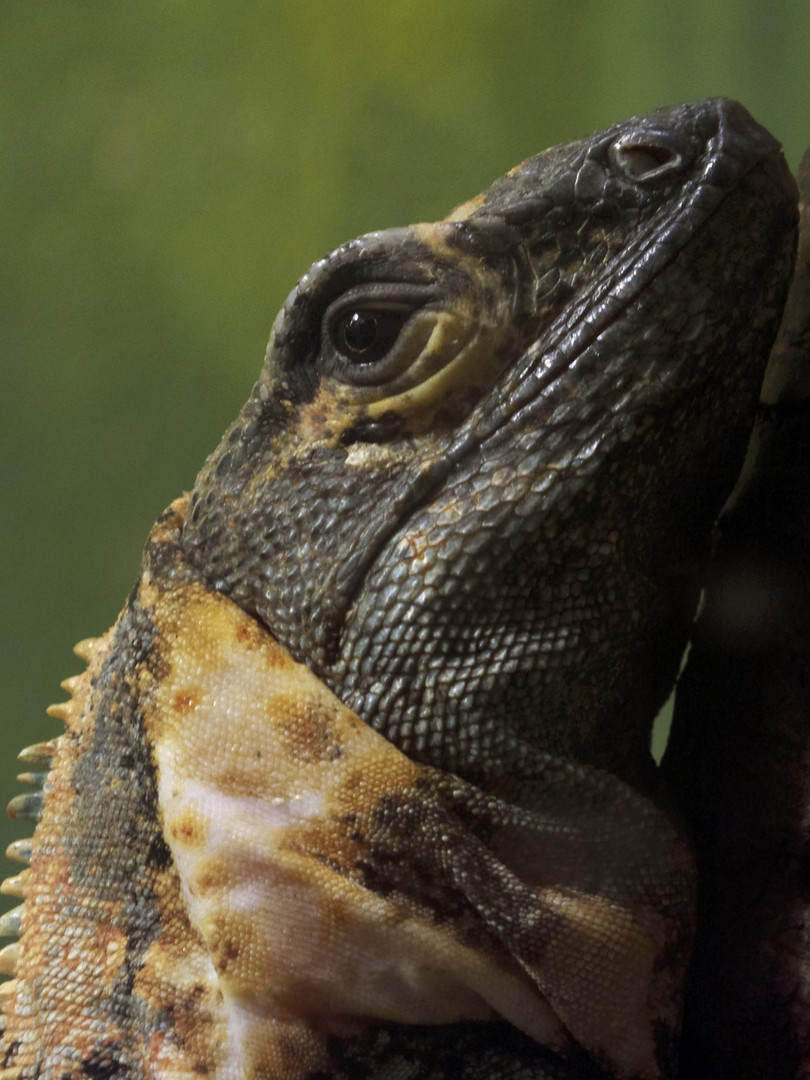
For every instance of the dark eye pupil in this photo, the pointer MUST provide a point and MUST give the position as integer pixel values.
(365, 335)
(360, 331)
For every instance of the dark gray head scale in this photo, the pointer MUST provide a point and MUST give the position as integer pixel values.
(471, 484)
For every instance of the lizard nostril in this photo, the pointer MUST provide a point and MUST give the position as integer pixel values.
(645, 160)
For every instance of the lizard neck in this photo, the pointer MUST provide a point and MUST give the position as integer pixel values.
(112, 979)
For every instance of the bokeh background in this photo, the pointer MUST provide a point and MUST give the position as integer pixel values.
(168, 168)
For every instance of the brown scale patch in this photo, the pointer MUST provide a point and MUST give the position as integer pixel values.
(351, 783)
(189, 828)
(187, 700)
(234, 781)
(251, 636)
(217, 874)
(225, 951)
(339, 846)
(311, 736)
(289, 1050)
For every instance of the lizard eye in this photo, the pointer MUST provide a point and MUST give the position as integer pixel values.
(374, 333)
(364, 335)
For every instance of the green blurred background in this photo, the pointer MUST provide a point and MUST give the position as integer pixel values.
(170, 167)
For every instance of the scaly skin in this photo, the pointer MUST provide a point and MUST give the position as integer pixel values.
(358, 785)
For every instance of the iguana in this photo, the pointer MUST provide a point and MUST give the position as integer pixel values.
(359, 784)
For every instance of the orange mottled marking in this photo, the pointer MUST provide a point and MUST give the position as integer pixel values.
(311, 735)
(189, 828)
(186, 701)
(466, 209)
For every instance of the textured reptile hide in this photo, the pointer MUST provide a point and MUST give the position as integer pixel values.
(358, 786)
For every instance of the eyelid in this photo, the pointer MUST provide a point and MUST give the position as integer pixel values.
(336, 311)
(394, 295)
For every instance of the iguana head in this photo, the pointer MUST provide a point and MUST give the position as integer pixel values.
(471, 483)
